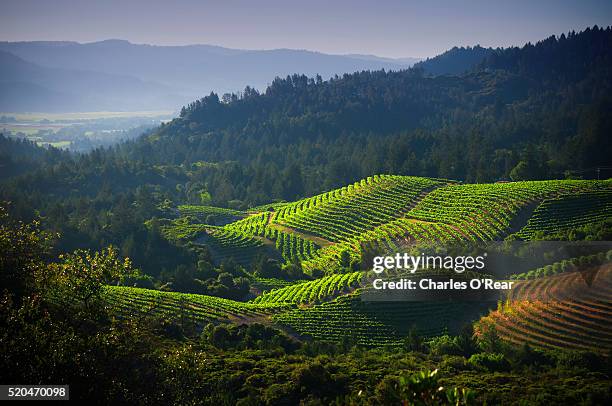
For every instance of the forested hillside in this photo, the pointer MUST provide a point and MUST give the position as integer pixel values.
(455, 61)
(525, 113)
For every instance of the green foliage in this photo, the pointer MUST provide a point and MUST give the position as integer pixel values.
(193, 309)
(566, 265)
(82, 276)
(21, 247)
(60, 322)
(205, 197)
(204, 211)
(488, 339)
(444, 345)
(315, 291)
(490, 361)
(422, 388)
(344, 213)
(376, 324)
(227, 244)
(413, 341)
(147, 360)
(586, 360)
(484, 211)
(567, 212)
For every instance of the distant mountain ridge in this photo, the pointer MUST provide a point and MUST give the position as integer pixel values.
(169, 76)
(25, 86)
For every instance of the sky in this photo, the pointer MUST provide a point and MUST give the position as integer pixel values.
(391, 28)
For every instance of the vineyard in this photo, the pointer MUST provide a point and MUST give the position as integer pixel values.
(566, 265)
(181, 229)
(197, 309)
(385, 213)
(226, 243)
(570, 310)
(332, 235)
(291, 246)
(344, 213)
(560, 213)
(377, 323)
(395, 235)
(313, 291)
(210, 214)
(485, 211)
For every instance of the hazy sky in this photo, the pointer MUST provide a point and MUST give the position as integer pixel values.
(382, 27)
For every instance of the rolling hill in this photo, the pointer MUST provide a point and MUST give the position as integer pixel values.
(333, 232)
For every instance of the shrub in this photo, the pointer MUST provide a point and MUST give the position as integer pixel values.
(580, 359)
(490, 361)
(444, 345)
(527, 355)
(453, 363)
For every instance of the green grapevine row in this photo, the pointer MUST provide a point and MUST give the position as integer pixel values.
(484, 211)
(342, 214)
(567, 265)
(376, 323)
(313, 291)
(569, 211)
(226, 243)
(128, 301)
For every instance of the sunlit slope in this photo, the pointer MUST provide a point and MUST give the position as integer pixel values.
(344, 213)
(486, 211)
(474, 212)
(316, 230)
(333, 233)
(386, 213)
(291, 245)
(318, 290)
(227, 244)
(568, 310)
(211, 214)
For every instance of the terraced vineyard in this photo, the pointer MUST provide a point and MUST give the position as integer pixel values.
(267, 284)
(204, 213)
(252, 225)
(393, 236)
(291, 246)
(571, 310)
(590, 281)
(337, 230)
(485, 211)
(344, 213)
(566, 265)
(376, 323)
(198, 309)
(226, 243)
(570, 211)
(181, 229)
(383, 213)
(313, 291)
